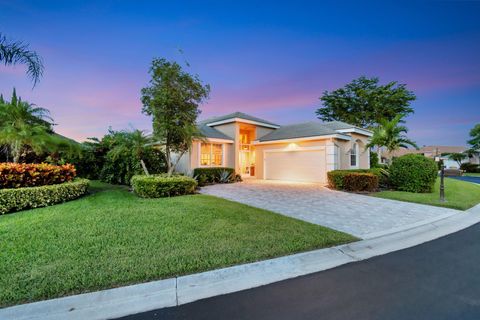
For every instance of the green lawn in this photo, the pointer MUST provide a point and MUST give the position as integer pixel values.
(113, 238)
(459, 195)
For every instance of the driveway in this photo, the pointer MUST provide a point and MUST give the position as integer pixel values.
(362, 216)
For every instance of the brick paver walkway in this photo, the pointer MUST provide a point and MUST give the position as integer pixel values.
(359, 215)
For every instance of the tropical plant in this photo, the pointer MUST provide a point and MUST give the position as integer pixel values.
(390, 134)
(17, 52)
(365, 103)
(474, 140)
(24, 125)
(225, 177)
(172, 99)
(124, 152)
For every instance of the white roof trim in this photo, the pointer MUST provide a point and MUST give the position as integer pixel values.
(263, 124)
(337, 136)
(216, 140)
(356, 130)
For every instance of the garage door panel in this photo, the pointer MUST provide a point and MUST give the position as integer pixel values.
(308, 166)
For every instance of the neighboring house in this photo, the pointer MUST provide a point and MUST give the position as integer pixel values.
(265, 150)
(438, 151)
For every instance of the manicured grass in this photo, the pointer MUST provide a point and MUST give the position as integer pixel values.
(459, 195)
(472, 174)
(113, 238)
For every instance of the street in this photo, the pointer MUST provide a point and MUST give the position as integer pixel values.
(436, 280)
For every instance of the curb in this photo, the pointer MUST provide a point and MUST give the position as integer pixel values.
(117, 302)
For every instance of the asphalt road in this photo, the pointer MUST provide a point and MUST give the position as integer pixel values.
(469, 179)
(436, 280)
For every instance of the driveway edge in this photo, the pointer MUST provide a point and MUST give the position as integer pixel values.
(117, 302)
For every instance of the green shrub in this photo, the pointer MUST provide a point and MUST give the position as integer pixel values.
(212, 175)
(34, 197)
(336, 178)
(470, 167)
(157, 186)
(357, 181)
(413, 173)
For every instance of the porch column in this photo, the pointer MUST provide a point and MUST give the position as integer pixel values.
(331, 153)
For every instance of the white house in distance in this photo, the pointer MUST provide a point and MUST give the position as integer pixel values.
(259, 148)
(439, 151)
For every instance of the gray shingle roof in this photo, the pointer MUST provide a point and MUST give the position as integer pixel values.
(300, 130)
(340, 125)
(240, 115)
(213, 133)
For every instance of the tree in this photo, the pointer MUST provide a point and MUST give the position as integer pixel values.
(17, 52)
(24, 125)
(390, 135)
(172, 99)
(365, 103)
(457, 157)
(474, 141)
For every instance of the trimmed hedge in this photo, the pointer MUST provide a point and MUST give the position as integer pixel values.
(336, 178)
(470, 167)
(413, 173)
(157, 186)
(33, 197)
(20, 175)
(354, 180)
(357, 181)
(212, 175)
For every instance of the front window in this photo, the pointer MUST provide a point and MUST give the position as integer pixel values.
(354, 155)
(211, 154)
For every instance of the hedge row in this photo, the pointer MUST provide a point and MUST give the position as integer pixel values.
(336, 177)
(213, 175)
(20, 175)
(33, 197)
(157, 186)
(358, 179)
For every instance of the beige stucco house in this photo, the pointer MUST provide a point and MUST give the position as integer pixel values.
(265, 150)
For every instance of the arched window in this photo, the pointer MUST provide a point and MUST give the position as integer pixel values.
(354, 155)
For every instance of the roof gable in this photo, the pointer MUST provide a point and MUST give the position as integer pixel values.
(232, 117)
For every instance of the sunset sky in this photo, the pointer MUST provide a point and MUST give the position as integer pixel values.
(268, 59)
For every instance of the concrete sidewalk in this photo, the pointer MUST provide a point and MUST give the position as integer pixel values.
(138, 298)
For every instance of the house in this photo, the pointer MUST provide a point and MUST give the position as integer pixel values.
(262, 149)
(438, 151)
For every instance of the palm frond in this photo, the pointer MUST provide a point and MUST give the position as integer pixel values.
(17, 52)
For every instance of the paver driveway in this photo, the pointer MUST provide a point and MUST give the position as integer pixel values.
(359, 215)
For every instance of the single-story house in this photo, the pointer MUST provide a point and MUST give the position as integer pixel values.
(262, 149)
(438, 151)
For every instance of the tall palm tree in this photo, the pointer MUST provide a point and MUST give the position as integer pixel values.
(390, 135)
(17, 52)
(23, 124)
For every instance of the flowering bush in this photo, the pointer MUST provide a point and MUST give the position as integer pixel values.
(19, 175)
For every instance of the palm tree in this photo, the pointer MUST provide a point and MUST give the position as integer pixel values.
(391, 136)
(17, 52)
(23, 124)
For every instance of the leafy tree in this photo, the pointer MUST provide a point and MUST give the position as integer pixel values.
(457, 157)
(24, 125)
(390, 135)
(17, 52)
(365, 103)
(172, 99)
(474, 140)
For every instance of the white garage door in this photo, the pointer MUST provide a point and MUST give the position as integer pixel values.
(302, 165)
